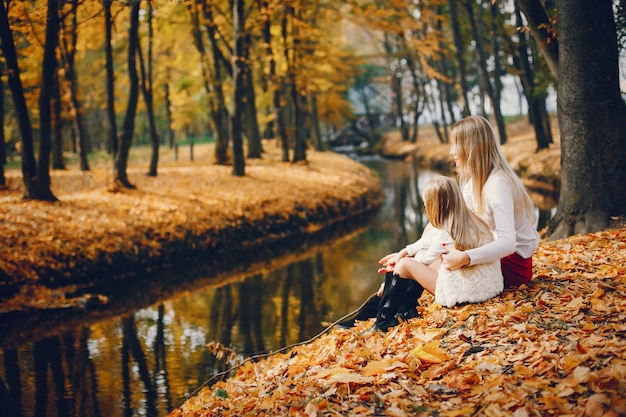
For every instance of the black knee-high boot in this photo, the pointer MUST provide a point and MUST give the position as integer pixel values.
(408, 309)
(391, 300)
(368, 311)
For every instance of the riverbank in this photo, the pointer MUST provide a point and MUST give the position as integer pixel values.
(554, 347)
(191, 209)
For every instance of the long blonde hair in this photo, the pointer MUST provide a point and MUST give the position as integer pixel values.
(480, 155)
(446, 209)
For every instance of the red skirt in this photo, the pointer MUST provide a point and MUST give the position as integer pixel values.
(516, 270)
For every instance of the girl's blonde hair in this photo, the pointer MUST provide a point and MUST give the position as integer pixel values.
(446, 209)
(480, 154)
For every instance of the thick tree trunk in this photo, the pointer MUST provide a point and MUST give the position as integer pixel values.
(592, 119)
(239, 70)
(255, 149)
(49, 68)
(220, 116)
(29, 166)
(128, 127)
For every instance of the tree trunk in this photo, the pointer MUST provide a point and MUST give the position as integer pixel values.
(239, 70)
(255, 149)
(221, 118)
(69, 54)
(57, 127)
(110, 78)
(592, 120)
(396, 86)
(147, 92)
(460, 59)
(168, 116)
(497, 68)
(298, 100)
(535, 96)
(478, 30)
(128, 127)
(3, 151)
(542, 29)
(29, 166)
(278, 88)
(49, 69)
(315, 124)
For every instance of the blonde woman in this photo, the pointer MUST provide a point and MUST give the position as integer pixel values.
(493, 191)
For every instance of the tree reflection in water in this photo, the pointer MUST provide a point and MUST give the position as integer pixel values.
(146, 360)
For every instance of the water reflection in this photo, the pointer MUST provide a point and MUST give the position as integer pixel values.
(151, 353)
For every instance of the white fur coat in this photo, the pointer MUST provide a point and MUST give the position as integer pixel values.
(470, 284)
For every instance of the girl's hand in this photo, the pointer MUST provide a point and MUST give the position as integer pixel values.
(454, 258)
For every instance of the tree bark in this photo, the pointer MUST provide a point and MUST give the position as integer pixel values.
(69, 58)
(239, 71)
(148, 97)
(29, 165)
(221, 118)
(57, 127)
(255, 148)
(592, 120)
(128, 127)
(110, 79)
(49, 69)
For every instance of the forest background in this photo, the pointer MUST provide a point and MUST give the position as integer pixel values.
(294, 70)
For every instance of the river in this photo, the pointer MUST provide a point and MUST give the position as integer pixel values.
(151, 353)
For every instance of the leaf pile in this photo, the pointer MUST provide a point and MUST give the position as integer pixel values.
(554, 347)
(190, 208)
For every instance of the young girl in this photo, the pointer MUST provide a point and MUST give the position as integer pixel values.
(452, 225)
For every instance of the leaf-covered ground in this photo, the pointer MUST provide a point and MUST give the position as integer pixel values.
(189, 208)
(554, 347)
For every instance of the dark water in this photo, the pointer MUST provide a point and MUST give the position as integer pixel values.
(147, 352)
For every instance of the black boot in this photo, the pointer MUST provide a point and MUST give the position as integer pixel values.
(393, 296)
(408, 309)
(368, 311)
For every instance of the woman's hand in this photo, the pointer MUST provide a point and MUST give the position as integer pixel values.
(454, 258)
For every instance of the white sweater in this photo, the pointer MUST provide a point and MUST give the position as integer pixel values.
(506, 218)
(471, 284)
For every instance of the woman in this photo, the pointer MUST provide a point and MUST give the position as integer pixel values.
(494, 192)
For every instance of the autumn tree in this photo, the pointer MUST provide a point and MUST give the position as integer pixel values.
(68, 45)
(128, 126)
(36, 177)
(592, 115)
(240, 66)
(110, 78)
(146, 67)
